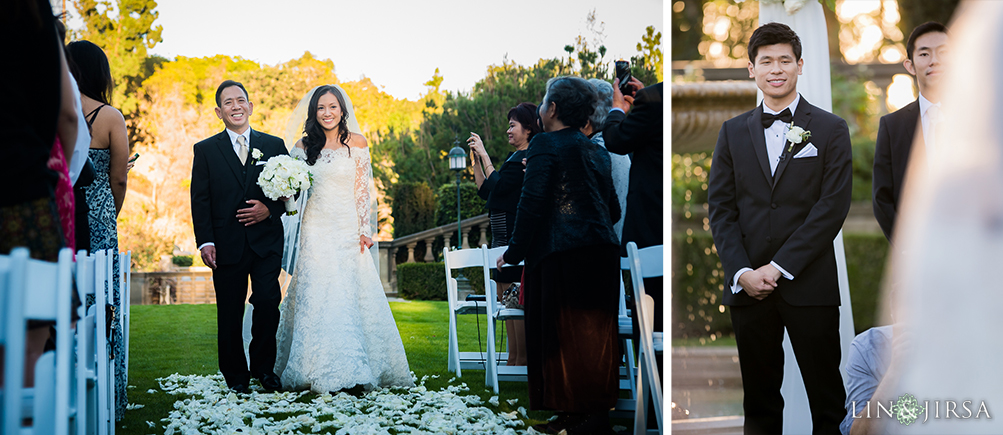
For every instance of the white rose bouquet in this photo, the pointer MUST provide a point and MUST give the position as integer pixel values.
(283, 177)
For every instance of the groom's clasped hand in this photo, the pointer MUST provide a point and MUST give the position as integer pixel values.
(256, 213)
(760, 282)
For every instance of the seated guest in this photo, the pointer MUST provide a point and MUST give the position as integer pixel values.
(501, 190)
(866, 365)
(40, 85)
(564, 232)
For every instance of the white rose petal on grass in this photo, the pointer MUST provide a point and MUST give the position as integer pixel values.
(493, 400)
(132, 406)
(206, 408)
(512, 401)
(151, 391)
(150, 423)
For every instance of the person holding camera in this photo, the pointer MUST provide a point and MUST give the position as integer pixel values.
(634, 126)
(501, 189)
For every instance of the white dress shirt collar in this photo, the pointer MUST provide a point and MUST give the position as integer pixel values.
(793, 106)
(925, 104)
(233, 139)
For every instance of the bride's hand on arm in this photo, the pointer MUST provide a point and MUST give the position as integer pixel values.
(365, 243)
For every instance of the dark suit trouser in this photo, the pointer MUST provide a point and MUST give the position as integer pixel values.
(814, 333)
(231, 292)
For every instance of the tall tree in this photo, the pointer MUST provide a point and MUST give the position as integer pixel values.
(649, 61)
(687, 25)
(916, 12)
(125, 30)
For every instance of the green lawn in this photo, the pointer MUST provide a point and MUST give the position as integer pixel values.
(167, 339)
(725, 341)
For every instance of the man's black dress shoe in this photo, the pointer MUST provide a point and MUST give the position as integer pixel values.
(270, 382)
(240, 389)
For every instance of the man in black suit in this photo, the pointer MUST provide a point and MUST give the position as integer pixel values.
(239, 233)
(777, 200)
(640, 132)
(897, 131)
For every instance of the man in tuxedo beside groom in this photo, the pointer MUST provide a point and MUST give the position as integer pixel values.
(913, 124)
(778, 195)
(239, 233)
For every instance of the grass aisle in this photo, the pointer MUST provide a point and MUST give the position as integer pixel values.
(168, 339)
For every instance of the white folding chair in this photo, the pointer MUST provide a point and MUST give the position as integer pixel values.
(11, 402)
(38, 290)
(496, 313)
(86, 362)
(125, 290)
(453, 260)
(103, 282)
(646, 263)
(628, 371)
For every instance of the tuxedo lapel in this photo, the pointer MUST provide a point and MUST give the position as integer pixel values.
(912, 132)
(758, 135)
(250, 173)
(225, 148)
(801, 119)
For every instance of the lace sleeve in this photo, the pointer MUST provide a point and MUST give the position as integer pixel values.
(363, 178)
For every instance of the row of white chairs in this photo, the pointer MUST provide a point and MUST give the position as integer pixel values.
(74, 386)
(639, 377)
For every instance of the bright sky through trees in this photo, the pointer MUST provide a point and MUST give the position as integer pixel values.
(399, 44)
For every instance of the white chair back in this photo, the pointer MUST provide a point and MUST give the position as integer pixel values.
(453, 260)
(15, 266)
(125, 302)
(103, 282)
(38, 290)
(646, 265)
(496, 312)
(86, 375)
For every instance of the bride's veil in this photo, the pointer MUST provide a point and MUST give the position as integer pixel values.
(291, 224)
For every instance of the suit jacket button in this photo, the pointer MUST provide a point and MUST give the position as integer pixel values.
(773, 206)
(769, 239)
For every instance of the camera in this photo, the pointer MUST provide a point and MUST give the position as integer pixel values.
(623, 73)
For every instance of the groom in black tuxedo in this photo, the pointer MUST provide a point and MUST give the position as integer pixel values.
(239, 232)
(775, 207)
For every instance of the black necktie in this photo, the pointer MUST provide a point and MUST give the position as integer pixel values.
(784, 116)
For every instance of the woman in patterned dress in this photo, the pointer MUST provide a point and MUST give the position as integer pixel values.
(109, 154)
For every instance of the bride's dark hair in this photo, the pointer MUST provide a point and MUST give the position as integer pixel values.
(314, 138)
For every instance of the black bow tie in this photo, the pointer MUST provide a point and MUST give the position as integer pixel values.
(784, 116)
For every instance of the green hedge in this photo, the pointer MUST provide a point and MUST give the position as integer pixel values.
(698, 283)
(427, 281)
(445, 203)
(182, 260)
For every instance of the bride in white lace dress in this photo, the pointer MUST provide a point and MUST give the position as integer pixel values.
(336, 330)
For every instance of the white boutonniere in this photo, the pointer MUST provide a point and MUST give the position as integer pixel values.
(255, 155)
(796, 135)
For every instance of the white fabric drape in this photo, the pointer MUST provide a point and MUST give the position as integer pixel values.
(815, 86)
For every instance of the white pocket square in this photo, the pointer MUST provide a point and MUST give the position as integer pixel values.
(260, 164)
(808, 151)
